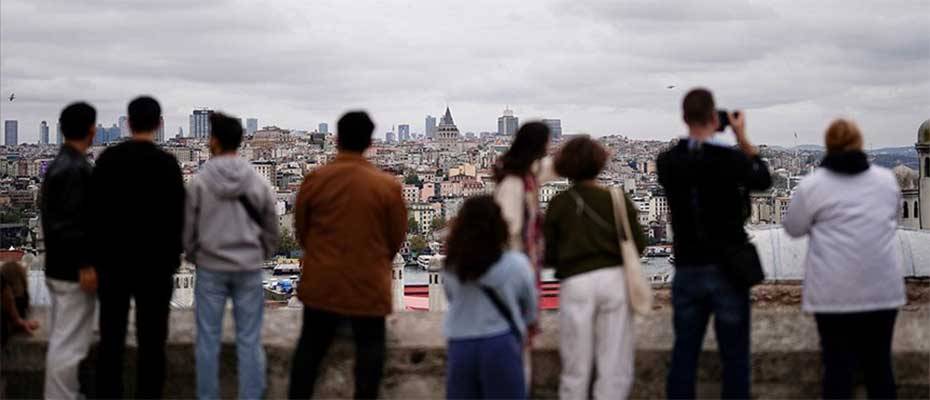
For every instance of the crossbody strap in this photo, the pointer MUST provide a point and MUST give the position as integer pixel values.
(501, 308)
(583, 208)
(621, 219)
(251, 210)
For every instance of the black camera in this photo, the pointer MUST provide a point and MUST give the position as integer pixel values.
(724, 119)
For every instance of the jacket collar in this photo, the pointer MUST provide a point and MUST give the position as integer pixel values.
(70, 151)
(847, 162)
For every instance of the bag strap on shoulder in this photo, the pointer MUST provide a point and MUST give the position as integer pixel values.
(251, 210)
(501, 308)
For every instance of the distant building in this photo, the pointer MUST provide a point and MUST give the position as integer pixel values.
(430, 127)
(123, 126)
(160, 133)
(10, 132)
(470, 135)
(43, 133)
(507, 124)
(403, 132)
(555, 128)
(267, 169)
(59, 136)
(323, 127)
(200, 123)
(389, 137)
(251, 125)
(447, 132)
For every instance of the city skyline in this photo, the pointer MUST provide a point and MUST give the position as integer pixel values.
(601, 68)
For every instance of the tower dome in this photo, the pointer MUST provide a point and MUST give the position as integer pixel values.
(923, 133)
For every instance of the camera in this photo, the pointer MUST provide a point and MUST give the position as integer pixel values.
(724, 119)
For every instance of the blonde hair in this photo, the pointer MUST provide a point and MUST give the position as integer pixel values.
(843, 135)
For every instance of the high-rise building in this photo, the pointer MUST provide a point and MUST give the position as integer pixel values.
(403, 132)
(160, 133)
(555, 128)
(430, 127)
(200, 123)
(251, 126)
(123, 126)
(389, 137)
(11, 132)
(323, 127)
(507, 124)
(59, 136)
(43, 133)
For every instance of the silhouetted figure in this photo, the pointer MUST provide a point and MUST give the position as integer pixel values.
(853, 273)
(351, 220)
(707, 186)
(14, 288)
(492, 301)
(231, 227)
(69, 275)
(595, 319)
(138, 202)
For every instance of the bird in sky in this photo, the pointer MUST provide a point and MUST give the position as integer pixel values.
(670, 87)
(12, 96)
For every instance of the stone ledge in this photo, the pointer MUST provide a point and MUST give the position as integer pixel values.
(786, 359)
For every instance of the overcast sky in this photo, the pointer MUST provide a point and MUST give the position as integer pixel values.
(602, 67)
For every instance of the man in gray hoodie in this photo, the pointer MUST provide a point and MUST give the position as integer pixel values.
(230, 228)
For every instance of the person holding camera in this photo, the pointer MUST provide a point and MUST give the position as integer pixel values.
(707, 186)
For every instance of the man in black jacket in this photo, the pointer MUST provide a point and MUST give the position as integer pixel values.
(138, 202)
(71, 280)
(707, 186)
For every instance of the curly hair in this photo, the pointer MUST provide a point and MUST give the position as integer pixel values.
(477, 238)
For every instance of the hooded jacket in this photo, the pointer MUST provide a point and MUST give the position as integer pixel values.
(219, 234)
(850, 211)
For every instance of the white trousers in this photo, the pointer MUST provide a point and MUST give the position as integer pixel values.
(71, 329)
(595, 331)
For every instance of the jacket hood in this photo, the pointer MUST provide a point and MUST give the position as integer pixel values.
(847, 162)
(226, 176)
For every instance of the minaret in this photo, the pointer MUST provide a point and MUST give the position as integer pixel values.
(923, 182)
(397, 283)
(437, 295)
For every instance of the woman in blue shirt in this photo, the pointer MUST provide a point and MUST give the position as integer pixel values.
(492, 300)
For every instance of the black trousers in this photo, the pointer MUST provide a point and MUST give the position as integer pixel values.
(316, 336)
(152, 297)
(854, 340)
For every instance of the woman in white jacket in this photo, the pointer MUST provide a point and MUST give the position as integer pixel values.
(853, 279)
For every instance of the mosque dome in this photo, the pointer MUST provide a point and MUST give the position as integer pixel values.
(923, 133)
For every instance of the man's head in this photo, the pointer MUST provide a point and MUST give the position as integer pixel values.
(699, 110)
(225, 133)
(144, 115)
(77, 122)
(354, 131)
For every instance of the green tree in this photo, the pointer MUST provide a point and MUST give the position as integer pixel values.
(412, 225)
(418, 244)
(412, 179)
(438, 223)
(287, 244)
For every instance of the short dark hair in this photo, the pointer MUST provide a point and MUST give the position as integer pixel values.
(698, 107)
(77, 120)
(477, 238)
(144, 114)
(581, 159)
(354, 131)
(226, 130)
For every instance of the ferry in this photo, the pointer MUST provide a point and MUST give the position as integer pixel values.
(286, 269)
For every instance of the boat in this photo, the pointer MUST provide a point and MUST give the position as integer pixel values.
(279, 290)
(644, 260)
(286, 269)
(671, 259)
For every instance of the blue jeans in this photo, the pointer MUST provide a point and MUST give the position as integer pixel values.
(485, 368)
(698, 292)
(211, 290)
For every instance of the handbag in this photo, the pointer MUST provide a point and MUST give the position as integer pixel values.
(741, 264)
(639, 291)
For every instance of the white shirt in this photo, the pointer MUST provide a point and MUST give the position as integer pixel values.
(853, 261)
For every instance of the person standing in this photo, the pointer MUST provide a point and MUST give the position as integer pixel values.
(14, 287)
(138, 200)
(350, 220)
(70, 277)
(707, 186)
(595, 319)
(492, 301)
(853, 272)
(230, 227)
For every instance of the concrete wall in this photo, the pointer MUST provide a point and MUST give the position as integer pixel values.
(786, 361)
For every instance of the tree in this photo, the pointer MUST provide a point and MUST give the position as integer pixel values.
(417, 244)
(412, 179)
(287, 244)
(412, 225)
(438, 223)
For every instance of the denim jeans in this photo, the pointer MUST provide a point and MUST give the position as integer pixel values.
(698, 292)
(485, 368)
(211, 290)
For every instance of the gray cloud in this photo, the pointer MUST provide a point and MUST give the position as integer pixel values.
(602, 67)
